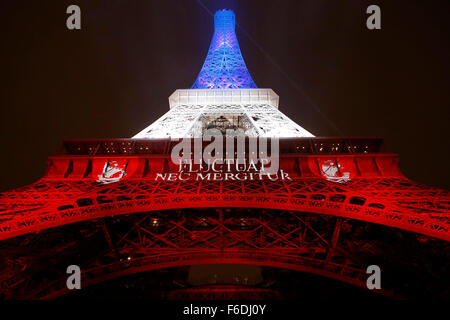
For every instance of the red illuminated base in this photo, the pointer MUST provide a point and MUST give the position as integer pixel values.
(130, 188)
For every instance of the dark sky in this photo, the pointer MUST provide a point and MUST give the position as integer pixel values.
(112, 78)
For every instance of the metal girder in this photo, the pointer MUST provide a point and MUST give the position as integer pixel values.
(161, 240)
(71, 194)
(57, 203)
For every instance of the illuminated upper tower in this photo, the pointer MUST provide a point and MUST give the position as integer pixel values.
(224, 96)
(224, 67)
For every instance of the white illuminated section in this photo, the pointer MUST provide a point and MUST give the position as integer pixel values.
(257, 110)
(223, 96)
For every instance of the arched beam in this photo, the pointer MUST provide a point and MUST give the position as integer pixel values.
(392, 217)
(347, 274)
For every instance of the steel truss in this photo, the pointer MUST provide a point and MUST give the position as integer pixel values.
(164, 229)
(394, 202)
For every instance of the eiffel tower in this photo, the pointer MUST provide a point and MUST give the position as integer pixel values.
(102, 205)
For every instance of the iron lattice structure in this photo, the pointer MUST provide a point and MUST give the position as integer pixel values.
(253, 117)
(367, 185)
(260, 221)
(224, 67)
(118, 207)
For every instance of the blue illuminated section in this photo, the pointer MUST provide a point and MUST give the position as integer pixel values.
(224, 67)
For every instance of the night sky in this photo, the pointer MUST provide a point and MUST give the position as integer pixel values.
(334, 76)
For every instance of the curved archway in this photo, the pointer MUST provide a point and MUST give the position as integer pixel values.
(335, 271)
(342, 204)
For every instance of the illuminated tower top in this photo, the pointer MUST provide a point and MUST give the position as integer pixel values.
(223, 97)
(224, 67)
